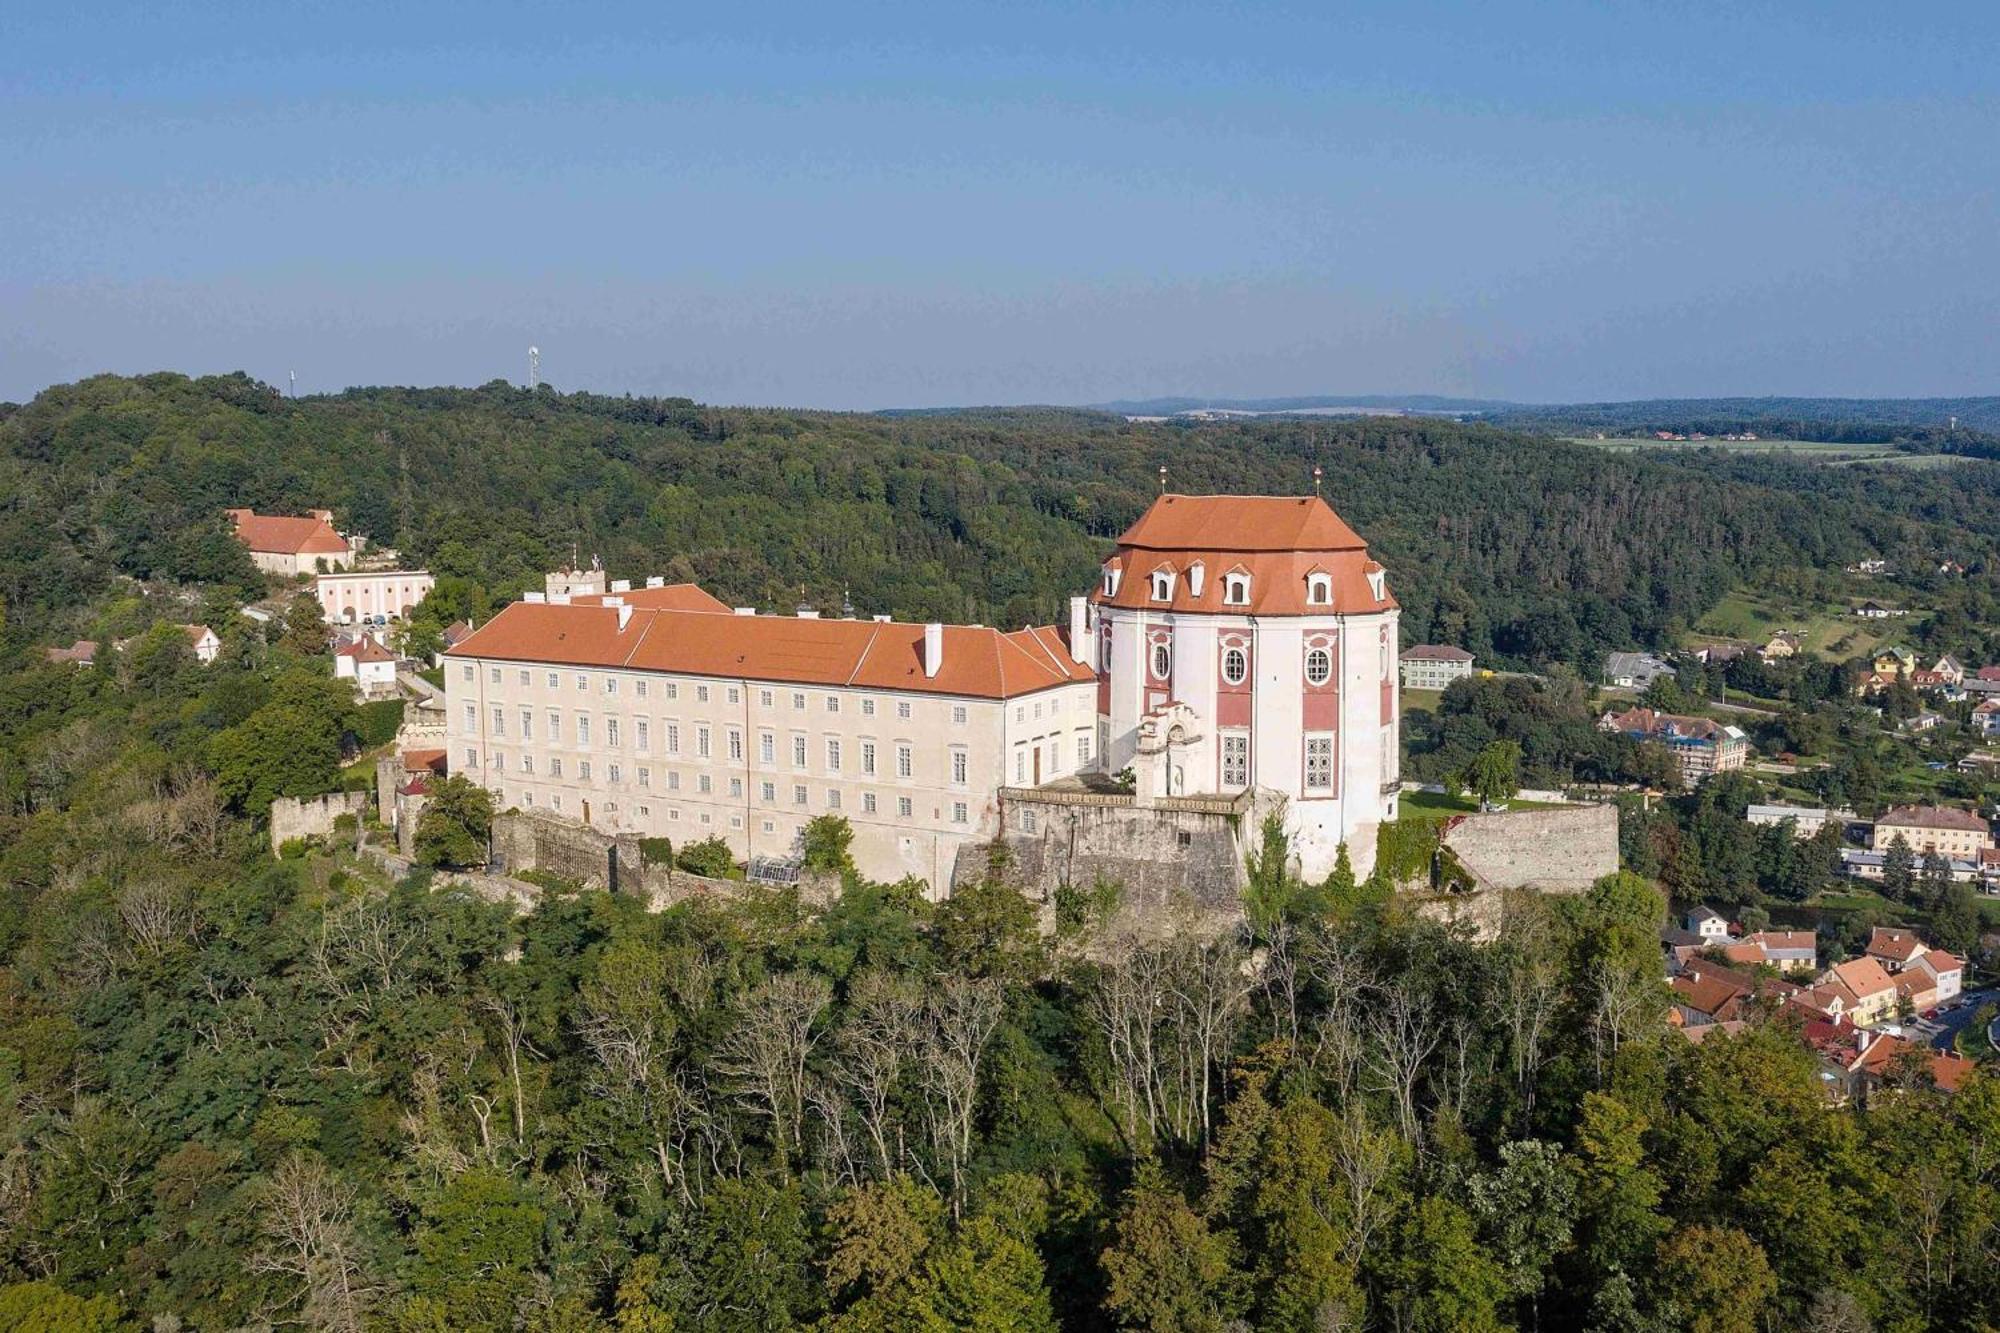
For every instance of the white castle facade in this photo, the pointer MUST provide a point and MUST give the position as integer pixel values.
(1234, 644)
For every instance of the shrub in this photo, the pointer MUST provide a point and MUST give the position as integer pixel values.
(656, 851)
(710, 857)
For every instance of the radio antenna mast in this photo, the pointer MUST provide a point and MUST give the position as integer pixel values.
(534, 367)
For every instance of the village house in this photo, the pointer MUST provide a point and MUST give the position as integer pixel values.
(202, 641)
(82, 653)
(1786, 950)
(1807, 820)
(1877, 611)
(368, 664)
(1699, 745)
(1706, 993)
(1434, 666)
(1872, 866)
(1784, 644)
(1635, 671)
(290, 545)
(1986, 717)
(1949, 669)
(1931, 828)
(1905, 954)
(1859, 990)
(1856, 1062)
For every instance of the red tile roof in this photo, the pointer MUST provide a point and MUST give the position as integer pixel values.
(284, 535)
(1435, 652)
(1934, 816)
(669, 597)
(1888, 942)
(1863, 976)
(1279, 541)
(1948, 1070)
(1649, 722)
(366, 650)
(978, 661)
(83, 650)
(416, 761)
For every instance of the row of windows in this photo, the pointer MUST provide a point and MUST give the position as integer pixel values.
(961, 812)
(1235, 586)
(1236, 664)
(834, 751)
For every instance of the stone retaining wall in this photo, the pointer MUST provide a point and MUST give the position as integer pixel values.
(312, 816)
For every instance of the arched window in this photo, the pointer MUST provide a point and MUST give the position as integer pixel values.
(1377, 584)
(1110, 583)
(1319, 666)
(1163, 661)
(1319, 589)
(1235, 665)
(1236, 590)
(1163, 586)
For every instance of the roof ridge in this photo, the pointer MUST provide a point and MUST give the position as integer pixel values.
(854, 672)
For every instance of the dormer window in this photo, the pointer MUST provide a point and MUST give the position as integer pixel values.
(1377, 584)
(1163, 585)
(1197, 573)
(1111, 582)
(1319, 590)
(1236, 590)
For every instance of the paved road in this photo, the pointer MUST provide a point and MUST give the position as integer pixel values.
(1955, 1020)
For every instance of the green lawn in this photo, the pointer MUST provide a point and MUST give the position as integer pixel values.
(1422, 700)
(1817, 451)
(1751, 616)
(1441, 805)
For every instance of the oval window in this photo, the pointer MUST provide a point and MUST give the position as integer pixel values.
(1163, 661)
(1235, 665)
(1319, 666)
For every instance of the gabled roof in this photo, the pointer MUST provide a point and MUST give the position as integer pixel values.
(1863, 977)
(978, 661)
(1241, 523)
(1940, 962)
(278, 534)
(365, 649)
(668, 597)
(1889, 942)
(424, 761)
(1435, 652)
(83, 651)
(1947, 1069)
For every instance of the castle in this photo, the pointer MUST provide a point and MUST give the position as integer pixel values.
(1238, 652)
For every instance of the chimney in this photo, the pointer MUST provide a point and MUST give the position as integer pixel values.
(880, 620)
(621, 585)
(1082, 644)
(746, 610)
(807, 613)
(933, 648)
(655, 581)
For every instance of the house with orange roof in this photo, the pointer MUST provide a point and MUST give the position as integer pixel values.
(368, 664)
(292, 544)
(1860, 990)
(1786, 950)
(1934, 828)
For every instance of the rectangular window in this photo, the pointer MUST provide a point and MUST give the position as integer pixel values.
(958, 766)
(611, 684)
(527, 763)
(735, 746)
(555, 727)
(903, 763)
(499, 720)
(582, 729)
(616, 773)
(769, 792)
(583, 770)
(769, 827)
(523, 678)
(472, 759)
(673, 738)
(703, 784)
(1319, 763)
(493, 675)
(701, 742)
(833, 798)
(674, 692)
(471, 718)
(645, 776)
(902, 807)
(736, 788)
(958, 814)
(611, 732)
(673, 781)
(958, 715)
(555, 767)
(1020, 766)
(798, 752)
(554, 680)
(867, 708)
(1082, 751)
(798, 795)
(1235, 760)
(643, 733)
(701, 694)
(903, 708)
(527, 724)
(868, 758)
(832, 756)
(735, 695)
(764, 701)
(465, 672)
(833, 703)
(582, 682)
(867, 802)
(640, 687)
(798, 701)
(767, 748)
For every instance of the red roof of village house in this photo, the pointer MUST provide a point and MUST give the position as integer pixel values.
(1949, 1070)
(279, 534)
(1888, 942)
(416, 761)
(1435, 652)
(366, 650)
(1279, 541)
(1934, 816)
(1863, 976)
(978, 661)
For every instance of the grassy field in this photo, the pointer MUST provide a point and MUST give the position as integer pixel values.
(1422, 700)
(1818, 451)
(1439, 805)
(1752, 616)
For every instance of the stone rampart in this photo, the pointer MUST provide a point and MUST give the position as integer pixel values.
(1557, 851)
(312, 816)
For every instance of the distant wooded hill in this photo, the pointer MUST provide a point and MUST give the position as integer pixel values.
(1520, 548)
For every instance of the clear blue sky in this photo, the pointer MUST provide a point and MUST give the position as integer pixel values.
(908, 204)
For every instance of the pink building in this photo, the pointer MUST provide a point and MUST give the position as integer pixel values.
(350, 598)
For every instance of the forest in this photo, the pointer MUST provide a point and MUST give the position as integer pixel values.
(1524, 550)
